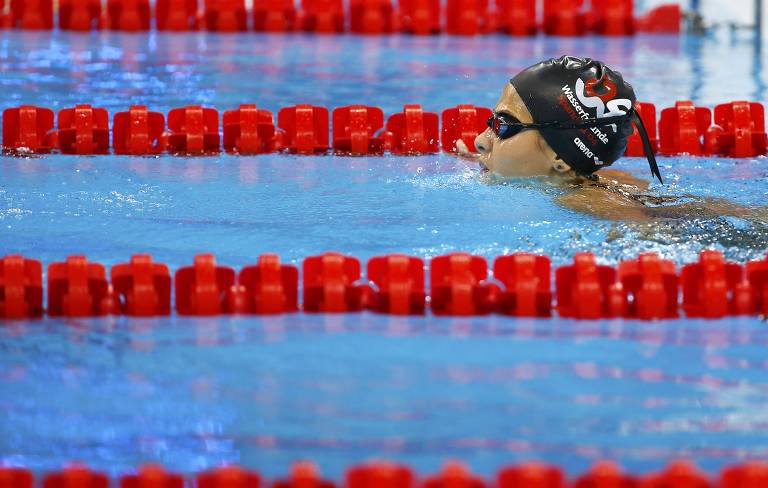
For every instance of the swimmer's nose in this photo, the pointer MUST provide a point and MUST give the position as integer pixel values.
(483, 142)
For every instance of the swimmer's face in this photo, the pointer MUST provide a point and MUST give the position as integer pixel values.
(524, 154)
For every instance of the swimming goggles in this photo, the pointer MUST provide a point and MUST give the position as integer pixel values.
(506, 125)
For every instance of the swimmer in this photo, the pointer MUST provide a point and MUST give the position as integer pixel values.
(568, 119)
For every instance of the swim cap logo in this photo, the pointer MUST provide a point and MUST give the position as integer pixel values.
(587, 95)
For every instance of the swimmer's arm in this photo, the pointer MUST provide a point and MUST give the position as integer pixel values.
(604, 204)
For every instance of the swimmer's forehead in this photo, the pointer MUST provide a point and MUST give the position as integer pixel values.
(511, 103)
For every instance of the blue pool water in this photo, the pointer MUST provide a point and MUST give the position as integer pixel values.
(193, 393)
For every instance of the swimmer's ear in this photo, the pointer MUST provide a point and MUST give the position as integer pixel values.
(560, 166)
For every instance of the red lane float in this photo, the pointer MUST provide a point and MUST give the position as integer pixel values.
(458, 287)
(202, 289)
(399, 282)
(142, 286)
(743, 129)
(79, 15)
(613, 17)
(748, 475)
(152, 476)
(463, 122)
(587, 290)
(664, 19)
(76, 475)
(414, 131)
(355, 128)
(419, 17)
(271, 287)
(305, 128)
(322, 16)
(330, 284)
(517, 17)
(78, 288)
(274, 16)
(28, 128)
(229, 477)
(380, 475)
(304, 474)
(371, 16)
(138, 132)
(128, 15)
(225, 15)
(527, 291)
(466, 17)
(249, 130)
(194, 130)
(176, 15)
(686, 129)
(15, 477)
(533, 475)
(83, 130)
(564, 18)
(605, 474)
(714, 288)
(678, 473)
(21, 288)
(650, 285)
(757, 275)
(32, 14)
(647, 112)
(454, 475)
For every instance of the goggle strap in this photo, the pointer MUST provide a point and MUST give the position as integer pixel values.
(647, 146)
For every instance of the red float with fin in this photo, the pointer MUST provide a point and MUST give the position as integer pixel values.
(527, 290)
(225, 15)
(304, 129)
(176, 15)
(652, 283)
(715, 288)
(201, 289)
(686, 129)
(371, 16)
(458, 287)
(587, 290)
(330, 284)
(76, 475)
(419, 17)
(647, 112)
(194, 130)
(152, 476)
(355, 130)
(138, 132)
(128, 15)
(530, 475)
(32, 14)
(274, 16)
(83, 130)
(28, 129)
(79, 15)
(463, 122)
(413, 131)
(271, 287)
(143, 286)
(21, 288)
(517, 17)
(743, 129)
(399, 284)
(322, 16)
(249, 130)
(78, 288)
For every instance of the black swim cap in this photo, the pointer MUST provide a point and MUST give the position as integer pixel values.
(593, 105)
